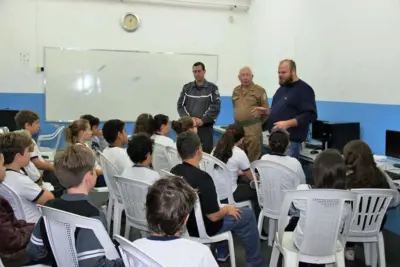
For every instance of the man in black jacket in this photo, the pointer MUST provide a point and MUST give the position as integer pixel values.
(200, 100)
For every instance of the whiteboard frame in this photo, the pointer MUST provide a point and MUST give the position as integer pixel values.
(107, 50)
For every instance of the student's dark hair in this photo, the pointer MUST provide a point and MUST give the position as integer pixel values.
(72, 131)
(199, 64)
(278, 142)
(93, 121)
(182, 125)
(72, 164)
(12, 144)
(139, 146)
(232, 135)
(144, 124)
(329, 170)
(187, 144)
(169, 201)
(291, 62)
(160, 120)
(111, 129)
(360, 161)
(25, 116)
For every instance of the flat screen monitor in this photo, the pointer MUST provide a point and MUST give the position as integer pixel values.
(392, 144)
(319, 130)
(7, 119)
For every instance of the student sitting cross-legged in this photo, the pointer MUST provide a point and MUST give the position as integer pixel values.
(15, 148)
(115, 134)
(75, 169)
(168, 205)
(241, 222)
(140, 150)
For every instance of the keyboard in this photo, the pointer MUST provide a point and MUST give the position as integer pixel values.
(393, 175)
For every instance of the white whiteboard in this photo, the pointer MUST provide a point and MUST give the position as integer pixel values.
(113, 84)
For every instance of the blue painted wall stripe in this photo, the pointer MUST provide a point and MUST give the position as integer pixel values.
(375, 119)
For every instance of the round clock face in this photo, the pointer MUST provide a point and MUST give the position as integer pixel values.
(130, 22)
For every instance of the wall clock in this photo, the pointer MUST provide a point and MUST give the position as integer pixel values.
(130, 22)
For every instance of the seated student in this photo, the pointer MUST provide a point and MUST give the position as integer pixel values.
(241, 222)
(329, 172)
(162, 127)
(115, 134)
(229, 152)
(29, 120)
(79, 133)
(169, 202)
(75, 170)
(30, 169)
(98, 141)
(140, 150)
(15, 234)
(184, 124)
(14, 147)
(278, 142)
(362, 172)
(144, 124)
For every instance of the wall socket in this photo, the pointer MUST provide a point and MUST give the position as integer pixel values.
(24, 58)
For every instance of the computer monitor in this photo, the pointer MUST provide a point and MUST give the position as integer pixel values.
(392, 144)
(7, 119)
(319, 131)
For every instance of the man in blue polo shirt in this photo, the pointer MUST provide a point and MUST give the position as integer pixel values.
(293, 106)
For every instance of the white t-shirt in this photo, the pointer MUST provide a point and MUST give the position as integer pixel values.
(36, 152)
(176, 252)
(289, 162)
(301, 206)
(32, 171)
(160, 161)
(119, 157)
(238, 162)
(141, 173)
(27, 190)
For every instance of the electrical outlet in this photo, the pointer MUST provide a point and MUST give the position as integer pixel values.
(24, 58)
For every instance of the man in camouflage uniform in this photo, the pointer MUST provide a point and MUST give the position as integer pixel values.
(245, 98)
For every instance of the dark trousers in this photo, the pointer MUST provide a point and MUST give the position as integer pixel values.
(50, 177)
(206, 134)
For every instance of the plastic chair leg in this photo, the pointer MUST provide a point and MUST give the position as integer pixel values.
(290, 259)
(127, 230)
(260, 225)
(274, 257)
(381, 249)
(117, 218)
(367, 253)
(340, 262)
(232, 251)
(109, 213)
(272, 223)
(374, 254)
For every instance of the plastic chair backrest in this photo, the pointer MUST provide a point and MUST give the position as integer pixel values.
(174, 158)
(61, 227)
(272, 177)
(160, 158)
(372, 206)
(15, 202)
(56, 135)
(133, 256)
(324, 224)
(109, 171)
(133, 193)
(220, 175)
(200, 222)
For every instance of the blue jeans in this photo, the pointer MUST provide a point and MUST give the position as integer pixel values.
(294, 150)
(246, 228)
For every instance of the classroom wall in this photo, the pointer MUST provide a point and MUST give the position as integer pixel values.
(346, 51)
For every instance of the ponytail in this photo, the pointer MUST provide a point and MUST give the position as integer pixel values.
(184, 124)
(232, 135)
(73, 130)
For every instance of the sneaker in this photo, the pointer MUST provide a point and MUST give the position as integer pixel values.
(349, 254)
(222, 254)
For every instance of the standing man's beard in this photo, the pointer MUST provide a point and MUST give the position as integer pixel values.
(286, 82)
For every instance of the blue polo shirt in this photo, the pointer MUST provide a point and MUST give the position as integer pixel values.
(296, 101)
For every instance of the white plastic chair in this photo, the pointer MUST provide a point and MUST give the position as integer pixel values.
(61, 227)
(324, 230)
(56, 136)
(115, 205)
(133, 194)
(15, 202)
(174, 158)
(211, 165)
(365, 228)
(204, 238)
(133, 256)
(274, 179)
(161, 158)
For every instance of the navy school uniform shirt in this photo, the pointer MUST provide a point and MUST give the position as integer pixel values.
(204, 184)
(296, 101)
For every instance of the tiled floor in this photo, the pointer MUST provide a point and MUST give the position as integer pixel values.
(391, 246)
